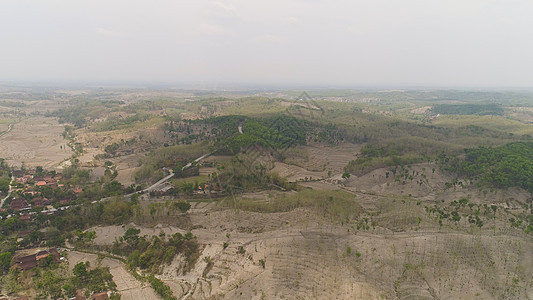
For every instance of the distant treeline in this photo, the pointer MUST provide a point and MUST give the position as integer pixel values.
(11, 103)
(469, 109)
(83, 111)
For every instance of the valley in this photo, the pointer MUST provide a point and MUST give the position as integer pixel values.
(328, 194)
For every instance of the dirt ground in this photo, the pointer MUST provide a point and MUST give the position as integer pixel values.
(35, 142)
(405, 254)
(126, 167)
(427, 182)
(402, 253)
(129, 287)
(309, 256)
(106, 235)
(316, 161)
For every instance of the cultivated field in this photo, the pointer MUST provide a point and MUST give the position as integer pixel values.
(35, 142)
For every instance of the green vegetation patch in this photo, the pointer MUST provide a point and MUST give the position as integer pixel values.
(469, 109)
(337, 205)
(117, 122)
(172, 157)
(278, 131)
(51, 280)
(506, 166)
(81, 112)
(5, 179)
(161, 288)
(149, 253)
(11, 103)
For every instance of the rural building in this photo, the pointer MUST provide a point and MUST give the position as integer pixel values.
(27, 262)
(24, 179)
(25, 217)
(18, 173)
(19, 204)
(99, 296)
(30, 261)
(33, 193)
(41, 202)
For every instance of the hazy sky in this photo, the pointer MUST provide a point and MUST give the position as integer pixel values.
(352, 43)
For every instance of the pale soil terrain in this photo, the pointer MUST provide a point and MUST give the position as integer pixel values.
(126, 176)
(126, 164)
(127, 285)
(402, 254)
(428, 183)
(296, 173)
(87, 157)
(315, 161)
(36, 142)
(126, 167)
(421, 110)
(522, 114)
(306, 256)
(106, 235)
(320, 158)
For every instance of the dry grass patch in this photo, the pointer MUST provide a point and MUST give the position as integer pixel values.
(337, 205)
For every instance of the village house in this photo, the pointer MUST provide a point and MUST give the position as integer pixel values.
(19, 204)
(27, 262)
(99, 296)
(30, 261)
(24, 179)
(40, 183)
(25, 217)
(41, 202)
(50, 180)
(30, 192)
(18, 173)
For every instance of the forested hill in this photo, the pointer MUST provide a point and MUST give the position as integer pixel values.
(277, 131)
(510, 165)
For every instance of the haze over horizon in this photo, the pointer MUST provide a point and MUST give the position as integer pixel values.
(294, 42)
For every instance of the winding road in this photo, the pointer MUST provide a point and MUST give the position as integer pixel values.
(148, 189)
(164, 179)
(9, 192)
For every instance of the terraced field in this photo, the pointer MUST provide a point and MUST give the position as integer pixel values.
(128, 287)
(306, 256)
